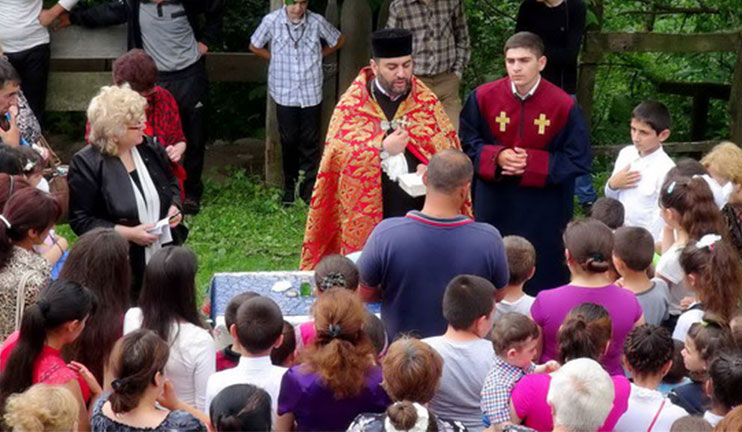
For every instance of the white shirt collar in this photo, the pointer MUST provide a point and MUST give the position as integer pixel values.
(255, 363)
(530, 92)
(381, 89)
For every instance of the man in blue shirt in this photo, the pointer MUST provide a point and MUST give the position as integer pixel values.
(408, 261)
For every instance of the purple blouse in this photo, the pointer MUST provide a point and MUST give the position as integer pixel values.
(315, 407)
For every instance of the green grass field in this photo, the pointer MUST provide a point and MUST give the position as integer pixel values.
(242, 226)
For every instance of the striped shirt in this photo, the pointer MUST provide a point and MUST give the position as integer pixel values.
(440, 39)
(295, 70)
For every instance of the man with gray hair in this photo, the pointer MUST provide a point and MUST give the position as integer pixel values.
(408, 261)
(581, 396)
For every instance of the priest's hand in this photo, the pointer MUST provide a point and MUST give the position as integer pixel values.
(512, 161)
(624, 179)
(396, 142)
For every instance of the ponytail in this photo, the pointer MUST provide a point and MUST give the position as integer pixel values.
(692, 198)
(139, 356)
(408, 416)
(585, 332)
(341, 355)
(241, 407)
(719, 274)
(61, 302)
(590, 244)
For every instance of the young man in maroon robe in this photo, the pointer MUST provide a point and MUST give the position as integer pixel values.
(528, 142)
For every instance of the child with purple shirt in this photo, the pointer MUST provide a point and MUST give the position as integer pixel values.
(589, 246)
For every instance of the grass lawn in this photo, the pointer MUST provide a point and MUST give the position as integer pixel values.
(242, 226)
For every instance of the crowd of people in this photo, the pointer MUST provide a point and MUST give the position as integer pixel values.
(500, 311)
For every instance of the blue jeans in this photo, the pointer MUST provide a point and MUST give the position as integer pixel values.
(584, 189)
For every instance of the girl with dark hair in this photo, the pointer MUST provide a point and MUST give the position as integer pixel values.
(100, 261)
(32, 355)
(687, 206)
(714, 274)
(585, 332)
(167, 306)
(26, 219)
(589, 247)
(704, 340)
(241, 408)
(337, 378)
(138, 361)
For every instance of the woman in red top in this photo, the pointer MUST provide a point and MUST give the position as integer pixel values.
(32, 355)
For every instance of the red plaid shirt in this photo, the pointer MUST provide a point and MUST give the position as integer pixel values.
(163, 118)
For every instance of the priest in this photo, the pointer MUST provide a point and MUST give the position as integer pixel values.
(387, 124)
(528, 142)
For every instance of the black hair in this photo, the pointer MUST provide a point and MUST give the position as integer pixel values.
(169, 291)
(281, 353)
(374, 328)
(725, 372)
(677, 371)
(467, 298)
(259, 324)
(653, 113)
(60, 302)
(241, 407)
(230, 312)
(138, 357)
(648, 348)
(336, 271)
(609, 211)
(585, 332)
(99, 259)
(10, 160)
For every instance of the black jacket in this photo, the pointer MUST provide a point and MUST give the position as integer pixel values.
(101, 194)
(127, 11)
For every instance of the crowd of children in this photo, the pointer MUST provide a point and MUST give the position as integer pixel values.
(654, 299)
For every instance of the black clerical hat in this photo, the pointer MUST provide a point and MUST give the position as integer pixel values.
(391, 42)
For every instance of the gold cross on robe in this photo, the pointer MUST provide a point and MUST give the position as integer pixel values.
(542, 122)
(502, 120)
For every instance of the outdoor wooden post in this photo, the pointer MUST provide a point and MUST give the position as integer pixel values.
(330, 71)
(273, 158)
(735, 98)
(356, 22)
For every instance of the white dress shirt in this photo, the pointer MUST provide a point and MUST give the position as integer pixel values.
(641, 202)
(192, 358)
(258, 371)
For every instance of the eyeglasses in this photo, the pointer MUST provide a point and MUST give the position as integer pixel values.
(140, 126)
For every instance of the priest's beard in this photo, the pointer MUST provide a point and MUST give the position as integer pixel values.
(389, 86)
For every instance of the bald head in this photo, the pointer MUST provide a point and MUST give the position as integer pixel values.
(448, 170)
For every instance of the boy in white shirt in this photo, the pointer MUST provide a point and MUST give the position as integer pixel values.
(257, 330)
(641, 168)
(521, 257)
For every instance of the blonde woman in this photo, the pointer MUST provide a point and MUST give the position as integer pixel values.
(41, 408)
(123, 180)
